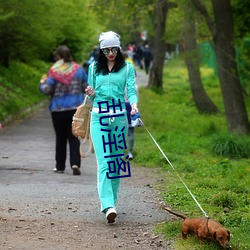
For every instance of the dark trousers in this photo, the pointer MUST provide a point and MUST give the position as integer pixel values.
(131, 138)
(130, 129)
(62, 122)
(147, 65)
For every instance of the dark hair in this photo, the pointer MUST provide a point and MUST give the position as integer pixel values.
(64, 53)
(102, 67)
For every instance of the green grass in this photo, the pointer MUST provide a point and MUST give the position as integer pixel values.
(214, 164)
(19, 88)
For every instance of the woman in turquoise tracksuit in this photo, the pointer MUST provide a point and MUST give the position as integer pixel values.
(108, 77)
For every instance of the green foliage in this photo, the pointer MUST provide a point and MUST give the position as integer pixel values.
(231, 146)
(175, 28)
(29, 33)
(175, 25)
(224, 200)
(19, 87)
(128, 18)
(241, 17)
(243, 59)
(219, 183)
(170, 230)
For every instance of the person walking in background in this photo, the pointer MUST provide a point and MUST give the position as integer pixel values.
(108, 78)
(147, 54)
(65, 83)
(138, 52)
(131, 129)
(127, 57)
(93, 56)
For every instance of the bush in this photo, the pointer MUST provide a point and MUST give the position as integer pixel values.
(19, 88)
(223, 200)
(231, 146)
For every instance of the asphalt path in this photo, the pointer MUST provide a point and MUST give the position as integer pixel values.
(26, 164)
(31, 190)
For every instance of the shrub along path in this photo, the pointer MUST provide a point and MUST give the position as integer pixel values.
(43, 210)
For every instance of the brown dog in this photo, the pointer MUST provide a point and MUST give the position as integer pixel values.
(204, 229)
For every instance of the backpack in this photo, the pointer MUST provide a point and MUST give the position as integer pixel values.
(81, 125)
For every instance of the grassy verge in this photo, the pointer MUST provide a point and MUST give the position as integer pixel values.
(212, 163)
(19, 88)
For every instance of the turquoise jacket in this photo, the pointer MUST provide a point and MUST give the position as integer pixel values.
(112, 85)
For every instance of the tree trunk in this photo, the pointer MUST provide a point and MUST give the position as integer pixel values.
(223, 38)
(201, 99)
(235, 109)
(159, 47)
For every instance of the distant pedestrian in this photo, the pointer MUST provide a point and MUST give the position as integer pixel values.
(65, 84)
(147, 54)
(128, 108)
(93, 55)
(138, 56)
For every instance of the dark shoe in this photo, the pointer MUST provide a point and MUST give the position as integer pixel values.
(111, 214)
(58, 171)
(76, 170)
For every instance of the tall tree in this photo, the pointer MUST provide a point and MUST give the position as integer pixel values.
(159, 44)
(223, 38)
(201, 99)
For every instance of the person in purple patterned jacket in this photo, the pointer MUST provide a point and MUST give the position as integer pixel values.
(65, 83)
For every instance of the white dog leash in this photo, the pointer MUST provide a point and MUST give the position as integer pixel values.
(174, 170)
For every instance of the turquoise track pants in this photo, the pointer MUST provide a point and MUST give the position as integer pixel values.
(107, 188)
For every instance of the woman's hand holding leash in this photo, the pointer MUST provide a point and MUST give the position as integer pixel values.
(134, 109)
(90, 91)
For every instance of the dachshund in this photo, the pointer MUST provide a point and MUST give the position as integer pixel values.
(204, 229)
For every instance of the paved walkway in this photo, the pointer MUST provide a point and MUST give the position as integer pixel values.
(29, 189)
(27, 158)
(26, 163)
(141, 78)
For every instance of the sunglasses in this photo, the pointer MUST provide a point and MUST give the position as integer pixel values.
(106, 51)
